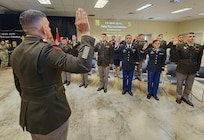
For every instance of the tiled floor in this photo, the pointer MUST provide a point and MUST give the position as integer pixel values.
(111, 115)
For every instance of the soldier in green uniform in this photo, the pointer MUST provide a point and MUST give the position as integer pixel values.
(105, 60)
(3, 54)
(37, 67)
(189, 59)
(140, 43)
(65, 47)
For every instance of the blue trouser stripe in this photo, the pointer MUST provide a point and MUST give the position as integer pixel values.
(127, 80)
(153, 82)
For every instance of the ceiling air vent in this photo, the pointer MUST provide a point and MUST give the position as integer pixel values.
(150, 18)
(131, 13)
(91, 15)
(49, 8)
(174, 1)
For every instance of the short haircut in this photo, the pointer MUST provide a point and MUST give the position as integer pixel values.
(155, 41)
(191, 33)
(104, 34)
(128, 35)
(64, 38)
(29, 18)
(140, 34)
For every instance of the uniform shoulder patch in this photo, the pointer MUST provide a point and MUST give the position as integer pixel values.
(54, 46)
(85, 52)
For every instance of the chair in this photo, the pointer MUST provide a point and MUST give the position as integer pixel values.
(93, 66)
(200, 72)
(144, 67)
(196, 94)
(144, 72)
(93, 63)
(171, 71)
(201, 81)
(167, 59)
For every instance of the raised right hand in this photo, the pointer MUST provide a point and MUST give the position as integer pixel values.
(81, 22)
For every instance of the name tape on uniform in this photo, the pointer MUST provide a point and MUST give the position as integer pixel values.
(85, 52)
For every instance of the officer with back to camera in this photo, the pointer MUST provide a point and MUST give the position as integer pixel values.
(37, 67)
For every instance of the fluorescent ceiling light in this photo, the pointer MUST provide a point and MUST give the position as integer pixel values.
(202, 14)
(100, 3)
(181, 10)
(44, 1)
(143, 7)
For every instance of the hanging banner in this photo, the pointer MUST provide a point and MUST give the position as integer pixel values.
(12, 36)
(12, 39)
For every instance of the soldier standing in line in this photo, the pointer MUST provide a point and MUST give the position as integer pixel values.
(173, 55)
(74, 42)
(130, 58)
(105, 60)
(65, 47)
(155, 65)
(10, 50)
(189, 60)
(73, 50)
(3, 54)
(113, 40)
(116, 57)
(140, 43)
(163, 43)
(76, 47)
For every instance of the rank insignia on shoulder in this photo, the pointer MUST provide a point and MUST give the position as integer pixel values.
(54, 46)
(44, 40)
(85, 52)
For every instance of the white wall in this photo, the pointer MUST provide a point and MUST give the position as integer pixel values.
(169, 29)
(196, 26)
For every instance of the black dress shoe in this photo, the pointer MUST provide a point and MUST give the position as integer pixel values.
(68, 83)
(85, 86)
(149, 96)
(123, 92)
(178, 100)
(105, 90)
(99, 89)
(138, 78)
(156, 98)
(65, 82)
(81, 85)
(187, 101)
(130, 93)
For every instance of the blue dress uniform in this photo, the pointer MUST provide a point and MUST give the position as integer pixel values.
(129, 57)
(154, 67)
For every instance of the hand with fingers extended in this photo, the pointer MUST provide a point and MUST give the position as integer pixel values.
(81, 22)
